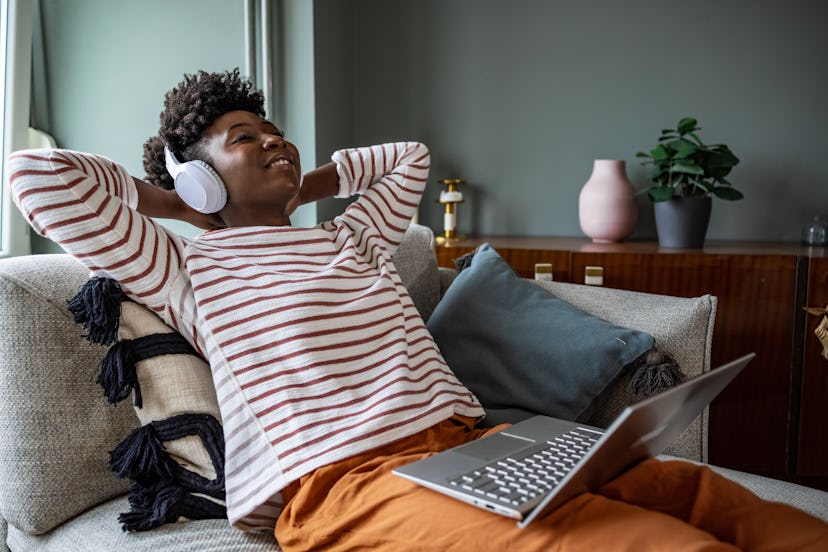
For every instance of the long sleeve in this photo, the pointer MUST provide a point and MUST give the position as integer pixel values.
(87, 204)
(390, 179)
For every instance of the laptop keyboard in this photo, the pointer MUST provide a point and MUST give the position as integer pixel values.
(516, 479)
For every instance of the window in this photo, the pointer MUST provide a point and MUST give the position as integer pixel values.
(15, 68)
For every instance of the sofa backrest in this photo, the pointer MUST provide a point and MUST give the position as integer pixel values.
(417, 266)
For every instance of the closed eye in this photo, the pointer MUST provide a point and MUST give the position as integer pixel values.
(276, 131)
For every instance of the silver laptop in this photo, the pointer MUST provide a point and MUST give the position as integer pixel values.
(536, 465)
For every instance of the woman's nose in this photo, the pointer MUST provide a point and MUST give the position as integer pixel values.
(271, 141)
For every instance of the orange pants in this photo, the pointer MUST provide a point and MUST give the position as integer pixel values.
(358, 504)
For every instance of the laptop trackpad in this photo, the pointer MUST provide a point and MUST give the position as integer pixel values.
(494, 446)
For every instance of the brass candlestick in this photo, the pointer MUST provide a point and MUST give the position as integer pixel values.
(450, 197)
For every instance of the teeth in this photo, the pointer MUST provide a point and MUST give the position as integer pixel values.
(281, 162)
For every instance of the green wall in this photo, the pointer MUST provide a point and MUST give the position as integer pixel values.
(519, 97)
(294, 86)
(109, 63)
(515, 97)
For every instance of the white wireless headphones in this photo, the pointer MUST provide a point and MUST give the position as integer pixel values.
(197, 183)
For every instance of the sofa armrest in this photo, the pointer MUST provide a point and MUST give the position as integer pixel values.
(57, 428)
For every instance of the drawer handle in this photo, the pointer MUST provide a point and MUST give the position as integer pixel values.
(594, 276)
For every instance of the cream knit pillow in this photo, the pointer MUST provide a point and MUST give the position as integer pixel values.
(175, 458)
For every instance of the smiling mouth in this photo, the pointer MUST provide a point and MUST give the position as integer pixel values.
(279, 162)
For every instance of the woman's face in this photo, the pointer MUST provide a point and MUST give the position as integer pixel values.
(261, 170)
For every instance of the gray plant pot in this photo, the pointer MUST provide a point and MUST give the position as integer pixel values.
(682, 222)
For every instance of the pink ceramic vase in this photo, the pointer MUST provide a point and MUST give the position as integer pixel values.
(607, 208)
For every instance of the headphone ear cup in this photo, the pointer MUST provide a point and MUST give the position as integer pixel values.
(200, 187)
(197, 184)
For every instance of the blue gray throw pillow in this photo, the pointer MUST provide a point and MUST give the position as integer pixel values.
(523, 351)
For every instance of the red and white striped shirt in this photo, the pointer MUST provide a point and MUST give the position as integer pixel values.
(316, 348)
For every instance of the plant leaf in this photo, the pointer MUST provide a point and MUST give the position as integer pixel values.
(683, 149)
(721, 156)
(728, 193)
(696, 138)
(702, 186)
(687, 124)
(717, 173)
(660, 153)
(660, 193)
(687, 168)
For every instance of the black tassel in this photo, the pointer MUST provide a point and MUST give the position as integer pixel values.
(463, 262)
(164, 502)
(208, 429)
(164, 491)
(97, 306)
(658, 372)
(141, 456)
(139, 517)
(119, 376)
(197, 507)
(119, 369)
(150, 507)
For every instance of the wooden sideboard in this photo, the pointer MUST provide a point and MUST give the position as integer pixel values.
(773, 419)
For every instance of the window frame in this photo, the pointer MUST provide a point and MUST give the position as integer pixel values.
(16, 43)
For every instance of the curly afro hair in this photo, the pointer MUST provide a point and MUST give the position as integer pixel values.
(189, 109)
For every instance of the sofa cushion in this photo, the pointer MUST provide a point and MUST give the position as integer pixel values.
(175, 459)
(682, 327)
(171, 384)
(807, 499)
(521, 350)
(56, 429)
(94, 530)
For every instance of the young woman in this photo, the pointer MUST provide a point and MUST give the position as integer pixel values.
(326, 375)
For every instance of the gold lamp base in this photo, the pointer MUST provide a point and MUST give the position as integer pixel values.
(450, 198)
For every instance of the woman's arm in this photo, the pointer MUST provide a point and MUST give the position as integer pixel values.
(390, 179)
(90, 206)
(320, 183)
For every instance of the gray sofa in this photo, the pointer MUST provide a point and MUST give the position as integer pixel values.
(56, 428)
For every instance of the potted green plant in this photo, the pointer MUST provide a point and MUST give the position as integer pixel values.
(686, 174)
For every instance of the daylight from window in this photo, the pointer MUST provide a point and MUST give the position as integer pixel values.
(15, 68)
(4, 17)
